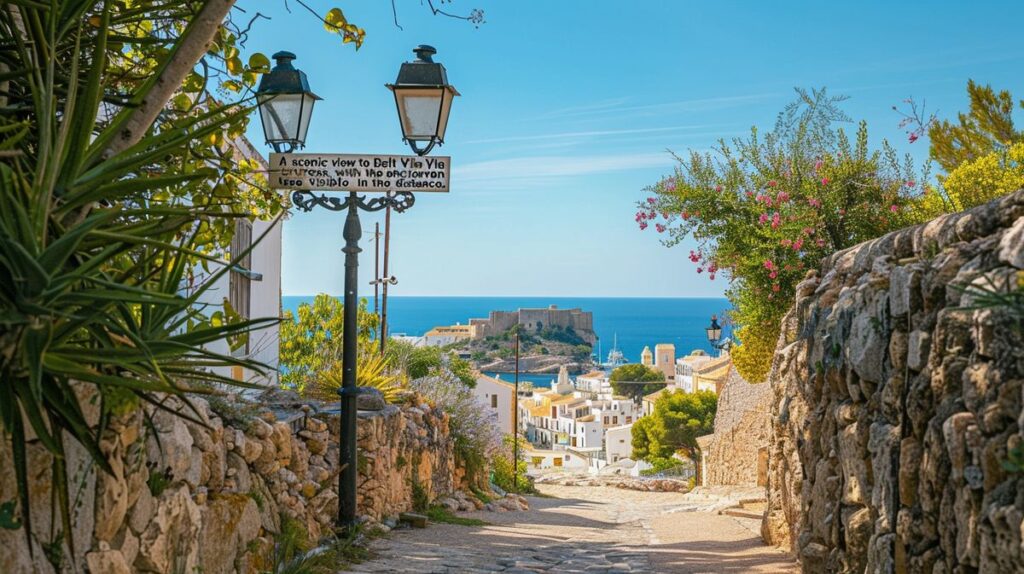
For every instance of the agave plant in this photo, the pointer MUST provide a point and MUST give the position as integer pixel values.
(372, 370)
(95, 270)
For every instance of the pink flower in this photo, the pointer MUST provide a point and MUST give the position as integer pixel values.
(771, 183)
(643, 225)
(700, 270)
(817, 165)
(814, 202)
(820, 242)
(910, 183)
(651, 200)
(768, 264)
(776, 220)
(763, 219)
(686, 215)
(824, 181)
(661, 228)
(786, 242)
(711, 276)
(718, 188)
(798, 244)
(775, 287)
(913, 137)
(894, 208)
(773, 275)
(782, 196)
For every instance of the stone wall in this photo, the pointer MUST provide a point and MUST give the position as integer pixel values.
(737, 451)
(184, 494)
(895, 407)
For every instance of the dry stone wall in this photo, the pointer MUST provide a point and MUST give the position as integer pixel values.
(185, 496)
(897, 403)
(736, 454)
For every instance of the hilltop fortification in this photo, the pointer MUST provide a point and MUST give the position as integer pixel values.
(535, 320)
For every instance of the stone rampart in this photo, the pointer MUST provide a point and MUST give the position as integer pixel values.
(185, 495)
(737, 454)
(897, 407)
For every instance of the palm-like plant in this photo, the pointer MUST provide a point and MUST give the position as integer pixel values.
(372, 371)
(94, 271)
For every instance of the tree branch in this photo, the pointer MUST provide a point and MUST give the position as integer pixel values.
(196, 40)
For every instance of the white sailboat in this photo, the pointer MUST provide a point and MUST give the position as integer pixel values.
(615, 356)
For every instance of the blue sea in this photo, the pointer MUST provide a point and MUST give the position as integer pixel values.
(634, 322)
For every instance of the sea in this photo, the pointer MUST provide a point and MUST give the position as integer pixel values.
(629, 322)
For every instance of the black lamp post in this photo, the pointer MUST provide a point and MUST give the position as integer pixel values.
(423, 97)
(714, 332)
(286, 104)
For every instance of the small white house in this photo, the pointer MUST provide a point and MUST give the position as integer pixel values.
(499, 397)
(618, 443)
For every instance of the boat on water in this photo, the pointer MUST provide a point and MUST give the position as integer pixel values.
(615, 357)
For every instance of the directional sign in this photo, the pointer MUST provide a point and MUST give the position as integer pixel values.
(358, 172)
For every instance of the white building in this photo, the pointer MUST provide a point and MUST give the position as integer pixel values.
(618, 443)
(252, 289)
(497, 396)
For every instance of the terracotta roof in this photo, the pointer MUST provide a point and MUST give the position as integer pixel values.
(494, 380)
(713, 365)
(654, 396)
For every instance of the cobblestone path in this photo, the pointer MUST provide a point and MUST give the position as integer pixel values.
(593, 530)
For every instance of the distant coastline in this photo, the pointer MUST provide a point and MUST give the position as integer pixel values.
(635, 321)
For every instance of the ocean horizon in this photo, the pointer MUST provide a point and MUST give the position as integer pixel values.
(634, 322)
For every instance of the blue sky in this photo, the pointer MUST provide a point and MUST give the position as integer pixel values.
(568, 109)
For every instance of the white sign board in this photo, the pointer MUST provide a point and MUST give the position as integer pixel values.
(358, 172)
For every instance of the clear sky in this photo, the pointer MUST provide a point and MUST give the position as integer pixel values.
(568, 108)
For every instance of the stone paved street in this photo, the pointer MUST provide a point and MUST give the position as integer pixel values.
(586, 529)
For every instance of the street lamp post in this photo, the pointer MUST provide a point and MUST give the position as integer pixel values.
(714, 333)
(286, 104)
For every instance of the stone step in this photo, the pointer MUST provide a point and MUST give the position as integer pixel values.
(742, 513)
(413, 519)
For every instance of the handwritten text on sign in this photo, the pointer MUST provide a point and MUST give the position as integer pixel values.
(357, 172)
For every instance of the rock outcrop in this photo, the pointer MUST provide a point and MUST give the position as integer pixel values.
(186, 496)
(897, 403)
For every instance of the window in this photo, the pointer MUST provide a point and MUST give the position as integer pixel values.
(622, 440)
(615, 420)
(239, 283)
(494, 401)
(629, 420)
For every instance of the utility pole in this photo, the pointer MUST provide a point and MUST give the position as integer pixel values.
(376, 267)
(515, 426)
(384, 299)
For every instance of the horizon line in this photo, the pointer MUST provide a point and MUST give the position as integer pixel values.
(532, 296)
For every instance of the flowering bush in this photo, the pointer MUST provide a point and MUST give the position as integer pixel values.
(764, 210)
(474, 426)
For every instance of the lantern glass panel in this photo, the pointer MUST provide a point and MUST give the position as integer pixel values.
(420, 110)
(714, 334)
(286, 116)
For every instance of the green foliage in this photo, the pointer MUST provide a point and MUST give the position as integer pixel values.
(980, 180)
(766, 208)
(419, 362)
(8, 521)
(986, 128)
(561, 334)
(158, 481)
(442, 515)
(1014, 462)
(753, 358)
(420, 497)
(678, 419)
(100, 248)
(501, 468)
(311, 342)
(624, 381)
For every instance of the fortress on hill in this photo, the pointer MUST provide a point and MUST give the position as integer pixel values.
(580, 321)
